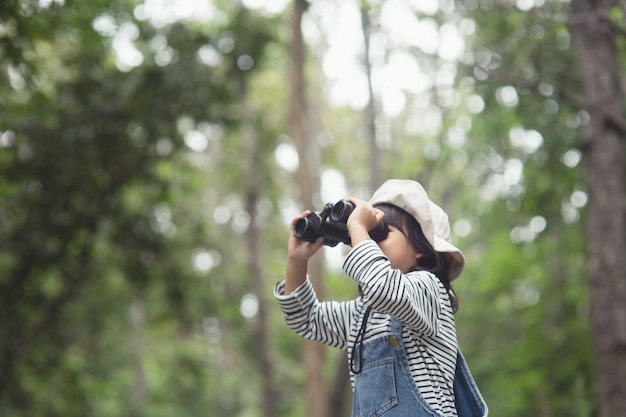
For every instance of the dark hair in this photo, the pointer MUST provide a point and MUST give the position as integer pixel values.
(431, 261)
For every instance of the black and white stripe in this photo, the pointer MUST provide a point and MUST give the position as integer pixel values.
(418, 299)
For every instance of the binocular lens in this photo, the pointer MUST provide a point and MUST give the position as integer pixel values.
(341, 211)
(301, 228)
(307, 228)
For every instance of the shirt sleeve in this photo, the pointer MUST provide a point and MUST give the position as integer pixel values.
(414, 297)
(324, 322)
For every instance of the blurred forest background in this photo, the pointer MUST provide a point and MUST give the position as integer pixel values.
(152, 154)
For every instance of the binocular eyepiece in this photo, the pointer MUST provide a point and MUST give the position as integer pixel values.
(331, 223)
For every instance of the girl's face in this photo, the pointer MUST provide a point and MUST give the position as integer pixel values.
(399, 250)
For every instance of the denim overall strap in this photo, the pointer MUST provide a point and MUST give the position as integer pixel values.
(385, 386)
(468, 400)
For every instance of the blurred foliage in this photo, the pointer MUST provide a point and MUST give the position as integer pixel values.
(529, 246)
(123, 271)
(104, 207)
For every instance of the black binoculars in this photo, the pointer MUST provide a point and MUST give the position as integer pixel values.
(331, 223)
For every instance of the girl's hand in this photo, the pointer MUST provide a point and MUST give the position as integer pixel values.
(298, 254)
(363, 218)
(300, 250)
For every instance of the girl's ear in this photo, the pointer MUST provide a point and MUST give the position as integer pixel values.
(418, 257)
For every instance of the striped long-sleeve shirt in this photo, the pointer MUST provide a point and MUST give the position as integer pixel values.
(418, 299)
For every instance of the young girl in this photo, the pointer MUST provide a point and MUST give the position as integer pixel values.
(400, 335)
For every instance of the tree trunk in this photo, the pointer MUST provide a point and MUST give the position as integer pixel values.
(302, 135)
(268, 394)
(138, 389)
(370, 112)
(341, 390)
(605, 161)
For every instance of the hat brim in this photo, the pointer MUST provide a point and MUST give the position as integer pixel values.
(455, 257)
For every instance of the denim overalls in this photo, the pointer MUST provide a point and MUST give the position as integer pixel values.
(386, 388)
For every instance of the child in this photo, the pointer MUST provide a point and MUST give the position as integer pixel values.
(400, 335)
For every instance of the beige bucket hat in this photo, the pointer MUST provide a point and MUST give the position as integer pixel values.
(411, 197)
